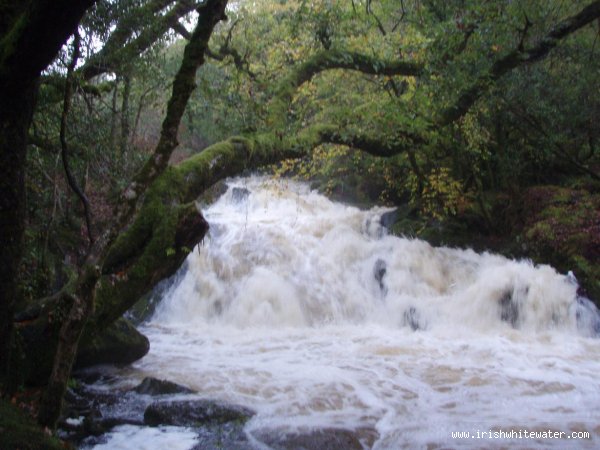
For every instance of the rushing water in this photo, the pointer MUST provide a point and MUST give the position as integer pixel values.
(308, 312)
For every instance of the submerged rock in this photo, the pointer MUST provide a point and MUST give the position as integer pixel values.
(154, 386)
(411, 318)
(509, 309)
(239, 193)
(230, 436)
(322, 439)
(194, 413)
(379, 271)
(587, 317)
(88, 412)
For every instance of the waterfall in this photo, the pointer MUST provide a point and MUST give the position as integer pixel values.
(311, 313)
(280, 255)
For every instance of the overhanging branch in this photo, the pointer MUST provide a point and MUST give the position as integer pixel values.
(329, 60)
(117, 50)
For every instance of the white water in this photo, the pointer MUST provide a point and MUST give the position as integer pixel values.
(281, 310)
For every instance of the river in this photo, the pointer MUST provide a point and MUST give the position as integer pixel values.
(308, 312)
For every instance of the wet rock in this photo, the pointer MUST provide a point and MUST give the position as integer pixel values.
(153, 386)
(411, 318)
(388, 219)
(509, 309)
(239, 194)
(379, 271)
(230, 436)
(194, 413)
(92, 413)
(322, 439)
(120, 343)
(587, 316)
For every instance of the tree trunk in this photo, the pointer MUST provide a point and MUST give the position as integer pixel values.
(82, 303)
(125, 115)
(83, 290)
(113, 116)
(29, 40)
(16, 109)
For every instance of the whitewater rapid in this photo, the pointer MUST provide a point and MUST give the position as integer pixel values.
(308, 312)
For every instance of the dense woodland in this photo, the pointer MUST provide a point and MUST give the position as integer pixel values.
(479, 120)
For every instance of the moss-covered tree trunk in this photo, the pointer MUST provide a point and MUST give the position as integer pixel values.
(82, 292)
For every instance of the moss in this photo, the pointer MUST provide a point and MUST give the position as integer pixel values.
(120, 343)
(175, 231)
(19, 431)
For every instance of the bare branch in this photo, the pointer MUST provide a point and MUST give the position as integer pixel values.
(63, 138)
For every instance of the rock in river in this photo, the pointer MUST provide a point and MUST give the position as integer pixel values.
(194, 413)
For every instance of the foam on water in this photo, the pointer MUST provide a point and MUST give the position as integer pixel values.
(306, 311)
(127, 437)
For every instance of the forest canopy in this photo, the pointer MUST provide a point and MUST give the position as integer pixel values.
(116, 115)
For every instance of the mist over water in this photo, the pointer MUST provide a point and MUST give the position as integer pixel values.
(307, 311)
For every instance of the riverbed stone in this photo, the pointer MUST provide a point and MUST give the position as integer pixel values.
(154, 386)
(230, 436)
(323, 439)
(195, 413)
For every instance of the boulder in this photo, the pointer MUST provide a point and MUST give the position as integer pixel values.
(153, 386)
(389, 218)
(189, 413)
(120, 343)
(230, 436)
(322, 439)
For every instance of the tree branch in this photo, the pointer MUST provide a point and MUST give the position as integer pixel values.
(515, 59)
(35, 37)
(211, 13)
(328, 60)
(63, 137)
(117, 50)
(83, 289)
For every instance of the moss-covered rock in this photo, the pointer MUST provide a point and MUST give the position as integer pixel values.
(189, 413)
(120, 343)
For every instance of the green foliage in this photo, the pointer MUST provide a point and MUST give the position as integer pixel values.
(534, 125)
